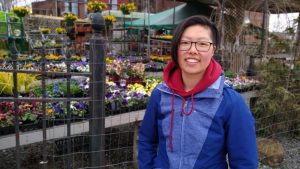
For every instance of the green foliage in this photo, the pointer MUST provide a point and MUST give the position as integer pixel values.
(279, 45)
(29, 117)
(59, 90)
(277, 108)
(24, 83)
(229, 73)
(8, 121)
(3, 54)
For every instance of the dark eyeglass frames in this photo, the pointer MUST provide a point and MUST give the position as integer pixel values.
(200, 46)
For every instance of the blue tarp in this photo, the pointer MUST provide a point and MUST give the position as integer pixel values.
(167, 20)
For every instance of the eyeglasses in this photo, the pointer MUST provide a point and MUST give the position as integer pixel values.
(200, 46)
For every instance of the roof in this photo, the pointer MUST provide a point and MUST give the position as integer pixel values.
(168, 19)
(275, 7)
(119, 14)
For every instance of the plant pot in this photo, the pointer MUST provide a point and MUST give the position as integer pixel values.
(132, 80)
(125, 12)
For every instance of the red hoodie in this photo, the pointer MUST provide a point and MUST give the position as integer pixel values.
(172, 77)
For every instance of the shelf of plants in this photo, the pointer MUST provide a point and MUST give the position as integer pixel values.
(127, 88)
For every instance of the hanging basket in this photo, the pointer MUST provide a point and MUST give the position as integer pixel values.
(69, 23)
(125, 12)
(21, 11)
(108, 22)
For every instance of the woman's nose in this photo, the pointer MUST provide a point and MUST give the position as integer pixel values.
(193, 48)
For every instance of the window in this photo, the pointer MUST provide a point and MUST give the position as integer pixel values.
(114, 4)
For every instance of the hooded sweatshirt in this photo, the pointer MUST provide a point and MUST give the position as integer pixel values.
(173, 79)
(199, 128)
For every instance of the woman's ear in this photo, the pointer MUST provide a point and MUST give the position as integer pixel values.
(214, 49)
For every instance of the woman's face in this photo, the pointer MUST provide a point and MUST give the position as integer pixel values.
(195, 60)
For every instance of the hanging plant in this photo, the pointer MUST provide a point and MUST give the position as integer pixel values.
(109, 19)
(127, 8)
(96, 6)
(21, 11)
(70, 18)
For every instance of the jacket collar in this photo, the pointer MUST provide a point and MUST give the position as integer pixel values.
(215, 90)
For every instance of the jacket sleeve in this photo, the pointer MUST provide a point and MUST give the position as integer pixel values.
(148, 135)
(240, 135)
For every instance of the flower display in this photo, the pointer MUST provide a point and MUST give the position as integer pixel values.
(27, 111)
(53, 57)
(242, 83)
(109, 19)
(45, 30)
(80, 67)
(127, 8)
(60, 30)
(21, 11)
(161, 58)
(70, 18)
(24, 83)
(96, 6)
(137, 70)
(117, 68)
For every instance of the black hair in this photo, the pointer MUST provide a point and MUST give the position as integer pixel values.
(190, 21)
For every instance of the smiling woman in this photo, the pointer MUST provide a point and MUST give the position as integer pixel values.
(190, 120)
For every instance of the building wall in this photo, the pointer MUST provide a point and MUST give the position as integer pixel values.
(48, 7)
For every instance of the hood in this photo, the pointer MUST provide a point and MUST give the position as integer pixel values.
(172, 78)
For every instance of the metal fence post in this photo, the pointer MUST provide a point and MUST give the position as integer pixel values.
(14, 52)
(97, 91)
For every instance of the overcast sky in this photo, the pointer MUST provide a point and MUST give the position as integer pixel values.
(279, 22)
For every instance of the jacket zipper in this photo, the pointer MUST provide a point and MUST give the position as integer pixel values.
(182, 137)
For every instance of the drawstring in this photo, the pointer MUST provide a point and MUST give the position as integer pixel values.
(171, 123)
(182, 106)
(172, 117)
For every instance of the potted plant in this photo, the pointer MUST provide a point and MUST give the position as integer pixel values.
(60, 30)
(70, 18)
(45, 30)
(127, 8)
(109, 19)
(136, 73)
(96, 6)
(21, 11)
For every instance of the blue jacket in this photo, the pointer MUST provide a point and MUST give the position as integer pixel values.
(220, 126)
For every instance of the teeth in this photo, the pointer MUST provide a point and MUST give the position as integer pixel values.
(192, 60)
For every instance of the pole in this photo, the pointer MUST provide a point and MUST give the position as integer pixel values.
(97, 91)
(174, 6)
(148, 35)
(263, 45)
(55, 4)
(222, 47)
(16, 103)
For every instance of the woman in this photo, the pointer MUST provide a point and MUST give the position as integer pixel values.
(194, 120)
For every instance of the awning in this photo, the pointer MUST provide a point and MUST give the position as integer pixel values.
(168, 19)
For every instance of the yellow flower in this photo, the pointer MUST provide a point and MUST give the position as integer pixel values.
(75, 57)
(52, 57)
(21, 11)
(109, 19)
(50, 112)
(61, 30)
(127, 8)
(45, 30)
(96, 5)
(70, 17)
